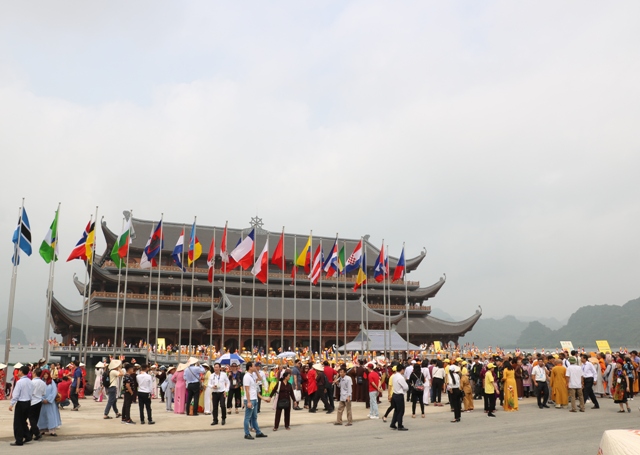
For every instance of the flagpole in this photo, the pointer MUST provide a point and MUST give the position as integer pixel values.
(47, 320)
(406, 297)
(126, 280)
(223, 268)
(12, 292)
(344, 327)
(366, 292)
(320, 345)
(193, 274)
(240, 346)
(384, 302)
(266, 348)
(295, 294)
(213, 289)
(81, 341)
(115, 328)
(337, 290)
(149, 300)
(387, 286)
(253, 295)
(282, 302)
(310, 294)
(181, 298)
(93, 254)
(155, 354)
(362, 326)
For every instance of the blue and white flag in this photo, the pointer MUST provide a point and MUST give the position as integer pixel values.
(22, 237)
(177, 252)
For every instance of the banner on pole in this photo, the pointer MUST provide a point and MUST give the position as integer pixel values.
(603, 346)
(567, 346)
(437, 345)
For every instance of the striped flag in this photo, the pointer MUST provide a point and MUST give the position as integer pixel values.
(49, 246)
(22, 237)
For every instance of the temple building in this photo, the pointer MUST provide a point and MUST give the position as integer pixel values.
(283, 312)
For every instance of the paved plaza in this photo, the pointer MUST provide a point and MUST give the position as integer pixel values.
(528, 431)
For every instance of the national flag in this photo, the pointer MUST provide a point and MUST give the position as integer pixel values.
(22, 237)
(124, 240)
(379, 269)
(341, 259)
(304, 258)
(211, 259)
(261, 268)
(49, 246)
(278, 258)
(398, 273)
(152, 248)
(318, 259)
(243, 253)
(354, 261)
(177, 252)
(195, 248)
(331, 264)
(84, 248)
(361, 277)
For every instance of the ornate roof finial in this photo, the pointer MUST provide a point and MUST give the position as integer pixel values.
(256, 222)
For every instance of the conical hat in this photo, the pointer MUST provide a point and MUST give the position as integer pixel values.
(192, 361)
(17, 365)
(115, 363)
(181, 367)
(2, 366)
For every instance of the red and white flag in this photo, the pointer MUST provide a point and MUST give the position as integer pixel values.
(261, 268)
(316, 269)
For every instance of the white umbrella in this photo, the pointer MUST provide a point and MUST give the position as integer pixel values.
(286, 355)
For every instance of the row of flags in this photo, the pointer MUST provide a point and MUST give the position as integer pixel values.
(241, 256)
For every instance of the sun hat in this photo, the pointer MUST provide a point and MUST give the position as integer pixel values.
(99, 365)
(192, 361)
(115, 363)
(447, 361)
(2, 366)
(181, 367)
(490, 366)
(572, 360)
(17, 365)
(172, 367)
(318, 366)
(454, 368)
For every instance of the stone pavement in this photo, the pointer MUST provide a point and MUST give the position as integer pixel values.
(529, 431)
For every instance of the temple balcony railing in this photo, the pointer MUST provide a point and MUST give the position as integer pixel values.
(218, 274)
(164, 298)
(399, 307)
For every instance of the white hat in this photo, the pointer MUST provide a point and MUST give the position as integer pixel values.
(318, 366)
(192, 361)
(17, 365)
(115, 363)
(2, 366)
(181, 367)
(81, 365)
(99, 365)
(454, 368)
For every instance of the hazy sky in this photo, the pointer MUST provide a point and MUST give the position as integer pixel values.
(501, 136)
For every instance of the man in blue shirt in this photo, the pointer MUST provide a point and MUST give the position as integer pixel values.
(192, 378)
(75, 385)
(21, 400)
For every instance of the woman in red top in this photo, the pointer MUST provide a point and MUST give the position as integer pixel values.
(305, 381)
(312, 387)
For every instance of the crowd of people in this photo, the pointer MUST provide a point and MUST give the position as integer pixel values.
(563, 380)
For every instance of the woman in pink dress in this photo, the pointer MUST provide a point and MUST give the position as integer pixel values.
(180, 393)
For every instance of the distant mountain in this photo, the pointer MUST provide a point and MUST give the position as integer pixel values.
(438, 313)
(17, 336)
(616, 324)
(495, 332)
(552, 323)
(31, 325)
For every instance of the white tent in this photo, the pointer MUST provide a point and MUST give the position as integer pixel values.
(374, 341)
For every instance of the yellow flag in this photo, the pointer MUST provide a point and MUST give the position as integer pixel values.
(304, 254)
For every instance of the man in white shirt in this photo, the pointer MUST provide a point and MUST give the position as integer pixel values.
(37, 395)
(346, 392)
(21, 400)
(575, 382)
(251, 397)
(590, 376)
(400, 387)
(539, 377)
(145, 386)
(407, 374)
(219, 385)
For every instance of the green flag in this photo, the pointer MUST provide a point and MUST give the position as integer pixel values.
(115, 257)
(49, 246)
(341, 262)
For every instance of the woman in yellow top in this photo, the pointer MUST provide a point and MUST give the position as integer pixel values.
(466, 388)
(510, 402)
(490, 391)
(390, 390)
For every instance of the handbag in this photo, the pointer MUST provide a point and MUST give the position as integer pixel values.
(58, 398)
(297, 394)
(285, 402)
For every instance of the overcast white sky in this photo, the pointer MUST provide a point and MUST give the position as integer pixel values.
(502, 136)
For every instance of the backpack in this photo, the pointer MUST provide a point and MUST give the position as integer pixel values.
(525, 373)
(418, 384)
(106, 382)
